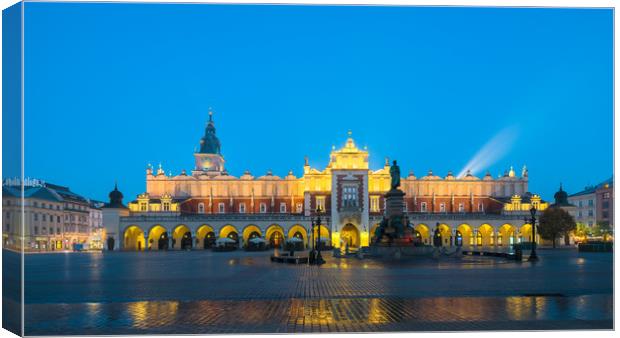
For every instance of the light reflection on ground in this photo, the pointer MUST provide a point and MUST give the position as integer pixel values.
(239, 292)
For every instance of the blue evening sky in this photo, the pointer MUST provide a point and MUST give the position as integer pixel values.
(113, 87)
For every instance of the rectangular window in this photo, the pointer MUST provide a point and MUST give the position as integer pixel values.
(605, 204)
(36, 230)
(606, 195)
(299, 208)
(220, 208)
(480, 207)
(166, 206)
(580, 204)
(349, 197)
(142, 206)
(423, 207)
(242, 208)
(263, 208)
(442, 207)
(201, 208)
(580, 214)
(282, 207)
(605, 214)
(462, 207)
(374, 203)
(590, 213)
(320, 202)
(590, 203)
(36, 216)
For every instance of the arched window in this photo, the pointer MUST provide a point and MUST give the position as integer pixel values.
(478, 238)
(242, 208)
(201, 208)
(423, 207)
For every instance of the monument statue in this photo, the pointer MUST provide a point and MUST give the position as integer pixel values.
(395, 174)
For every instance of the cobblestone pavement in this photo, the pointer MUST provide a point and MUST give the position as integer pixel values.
(238, 292)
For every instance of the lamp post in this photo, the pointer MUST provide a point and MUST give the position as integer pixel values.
(533, 256)
(318, 259)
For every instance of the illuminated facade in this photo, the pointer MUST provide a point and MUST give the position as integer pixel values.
(54, 218)
(193, 209)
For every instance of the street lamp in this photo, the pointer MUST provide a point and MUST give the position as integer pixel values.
(533, 256)
(317, 259)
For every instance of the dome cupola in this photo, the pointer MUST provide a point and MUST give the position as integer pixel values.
(561, 197)
(116, 198)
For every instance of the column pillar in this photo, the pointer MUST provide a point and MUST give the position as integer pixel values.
(475, 234)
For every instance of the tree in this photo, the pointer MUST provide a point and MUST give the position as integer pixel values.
(602, 229)
(555, 221)
(583, 231)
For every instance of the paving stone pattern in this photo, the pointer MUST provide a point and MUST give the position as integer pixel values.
(238, 292)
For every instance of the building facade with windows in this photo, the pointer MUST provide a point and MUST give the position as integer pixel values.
(585, 206)
(54, 217)
(194, 208)
(594, 204)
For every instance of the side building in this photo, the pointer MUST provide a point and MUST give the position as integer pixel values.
(54, 217)
(193, 209)
(594, 204)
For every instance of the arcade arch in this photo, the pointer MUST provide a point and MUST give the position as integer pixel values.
(133, 238)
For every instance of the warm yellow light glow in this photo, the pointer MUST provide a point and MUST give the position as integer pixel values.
(335, 239)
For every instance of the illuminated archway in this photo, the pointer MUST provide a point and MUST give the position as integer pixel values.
(484, 236)
(158, 238)
(506, 235)
(324, 234)
(251, 231)
(446, 234)
(182, 237)
(298, 231)
(350, 235)
(467, 234)
(205, 236)
(229, 231)
(525, 233)
(275, 235)
(133, 238)
(424, 231)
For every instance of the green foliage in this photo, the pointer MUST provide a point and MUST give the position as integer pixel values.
(555, 221)
(603, 229)
(583, 230)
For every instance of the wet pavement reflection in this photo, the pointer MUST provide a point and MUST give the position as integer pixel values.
(325, 315)
(238, 292)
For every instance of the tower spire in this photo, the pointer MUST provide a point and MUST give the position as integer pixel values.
(210, 114)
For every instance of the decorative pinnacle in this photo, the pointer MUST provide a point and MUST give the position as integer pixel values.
(210, 114)
(349, 133)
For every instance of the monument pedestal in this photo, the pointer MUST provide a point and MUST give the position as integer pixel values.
(394, 239)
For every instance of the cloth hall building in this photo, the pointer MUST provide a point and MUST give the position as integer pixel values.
(193, 210)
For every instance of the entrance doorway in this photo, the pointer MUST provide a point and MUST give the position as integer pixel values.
(209, 240)
(186, 241)
(349, 235)
(162, 242)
